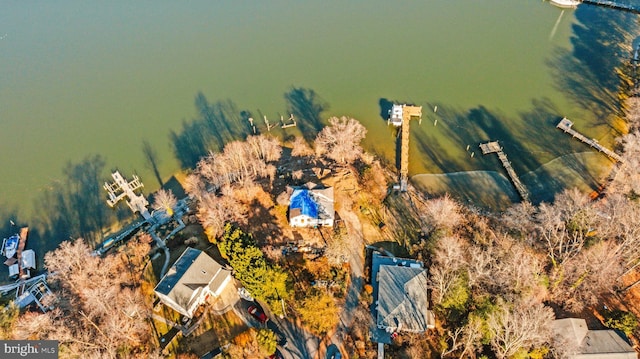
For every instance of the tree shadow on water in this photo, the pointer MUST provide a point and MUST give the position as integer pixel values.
(75, 206)
(307, 107)
(529, 141)
(385, 108)
(589, 73)
(217, 123)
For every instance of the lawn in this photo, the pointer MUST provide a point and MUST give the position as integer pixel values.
(214, 331)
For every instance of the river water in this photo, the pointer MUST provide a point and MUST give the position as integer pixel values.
(80, 78)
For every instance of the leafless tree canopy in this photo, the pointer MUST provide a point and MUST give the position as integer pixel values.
(100, 311)
(341, 140)
(449, 263)
(521, 327)
(440, 213)
(240, 160)
(627, 179)
(300, 148)
(224, 183)
(164, 200)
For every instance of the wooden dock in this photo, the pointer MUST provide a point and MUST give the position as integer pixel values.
(565, 125)
(408, 113)
(627, 5)
(494, 147)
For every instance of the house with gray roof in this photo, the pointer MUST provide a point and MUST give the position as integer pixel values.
(192, 279)
(401, 302)
(310, 206)
(579, 342)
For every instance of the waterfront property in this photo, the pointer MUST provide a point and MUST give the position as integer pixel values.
(192, 279)
(311, 206)
(400, 296)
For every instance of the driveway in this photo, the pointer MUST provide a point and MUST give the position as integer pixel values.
(356, 263)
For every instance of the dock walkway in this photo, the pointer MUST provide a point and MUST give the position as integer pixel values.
(565, 125)
(408, 112)
(628, 5)
(494, 147)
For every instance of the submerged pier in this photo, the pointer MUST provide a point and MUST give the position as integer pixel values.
(565, 125)
(494, 147)
(401, 115)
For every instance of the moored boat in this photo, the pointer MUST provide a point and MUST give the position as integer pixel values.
(566, 4)
(10, 246)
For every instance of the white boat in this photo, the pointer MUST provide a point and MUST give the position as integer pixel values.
(566, 4)
(10, 246)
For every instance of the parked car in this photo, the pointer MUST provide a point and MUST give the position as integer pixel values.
(258, 314)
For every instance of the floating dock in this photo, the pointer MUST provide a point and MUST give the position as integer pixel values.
(494, 147)
(565, 125)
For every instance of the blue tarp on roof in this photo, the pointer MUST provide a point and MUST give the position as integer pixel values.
(301, 198)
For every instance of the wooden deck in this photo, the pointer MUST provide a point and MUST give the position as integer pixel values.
(494, 147)
(565, 125)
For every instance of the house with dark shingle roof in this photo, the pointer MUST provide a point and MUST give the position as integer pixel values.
(310, 206)
(192, 279)
(573, 335)
(401, 302)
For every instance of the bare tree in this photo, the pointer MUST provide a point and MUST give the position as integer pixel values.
(265, 148)
(447, 267)
(100, 311)
(506, 268)
(619, 220)
(627, 177)
(215, 211)
(565, 226)
(164, 200)
(440, 213)
(341, 140)
(582, 280)
(521, 327)
(464, 341)
(519, 218)
(300, 148)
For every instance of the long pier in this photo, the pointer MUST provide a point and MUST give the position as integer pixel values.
(494, 147)
(627, 5)
(565, 125)
(406, 113)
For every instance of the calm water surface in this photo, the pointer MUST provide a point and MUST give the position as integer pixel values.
(80, 78)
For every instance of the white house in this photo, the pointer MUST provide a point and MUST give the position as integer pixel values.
(191, 280)
(310, 207)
